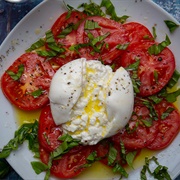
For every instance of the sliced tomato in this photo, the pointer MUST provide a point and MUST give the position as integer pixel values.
(71, 163)
(137, 32)
(36, 76)
(154, 71)
(108, 51)
(168, 128)
(64, 21)
(48, 132)
(138, 136)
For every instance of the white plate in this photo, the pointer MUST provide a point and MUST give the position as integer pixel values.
(33, 26)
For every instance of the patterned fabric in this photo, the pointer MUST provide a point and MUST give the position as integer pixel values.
(17, 11)
(171, 6)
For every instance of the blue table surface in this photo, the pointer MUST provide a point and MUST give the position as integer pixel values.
(12, 13)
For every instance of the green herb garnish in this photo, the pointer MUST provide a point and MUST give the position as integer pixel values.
(16, 76)
(171, 25)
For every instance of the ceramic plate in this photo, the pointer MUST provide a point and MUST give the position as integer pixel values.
(33, 26)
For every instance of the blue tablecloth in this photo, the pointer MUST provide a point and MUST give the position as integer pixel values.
(11, 14)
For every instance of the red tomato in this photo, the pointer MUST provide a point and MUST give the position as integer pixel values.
(37, 75)
(48, 132)
(70, 39)
(168, 127)
(70, 165)
(108, 51)
(163, 65)
(140, 135)
(137, 32)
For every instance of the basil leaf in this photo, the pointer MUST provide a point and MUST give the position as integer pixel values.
(16, 76)
(90, 25)
(47, 53)
(110, 10)
(50, 37)
(112, 155)
(66, 31)
(118, 168)
(130, 158)
(166, 113)
(39, 167)
(122, 46)
(154, 32)
(155, 99)
(147, 122)
(171, 25)
(172, 97)
(174, 79)
(156, 49)
(20, 136)
(36, 45)
(160, 172)
(67, 144)
(92, 9)
(37, 93)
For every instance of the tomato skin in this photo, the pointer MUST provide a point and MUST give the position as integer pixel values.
(141, 136)
(137, 32)
(163, 64)
(168, 128)
(70, 165)
(48, 132)
(117, 36)
(37, 75)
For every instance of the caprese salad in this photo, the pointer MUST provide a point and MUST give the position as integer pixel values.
(102, 85)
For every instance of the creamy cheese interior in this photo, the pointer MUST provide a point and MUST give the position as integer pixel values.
(90, 100)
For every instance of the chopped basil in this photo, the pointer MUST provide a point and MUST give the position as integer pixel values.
(66, 31)
(156, 76)
(37, 93)
(122, 46)
(99, 38)
(155, 99)
(90, 25)
(131, 130)
(112, 155)
(130, 158)
(171, 25)
(50, 37)
(154, 32)
(160, 172)
(156, 49)
(65, 146)
(147, 122)
(27, 131)
(39, 167)
(150, 106)
(174, 79)
(166, 113)
(172, 97)
(16, 76)
(118, 168)
(92, 9)
(47, 53)
(133, 69)
(110, 10)
(36, 45)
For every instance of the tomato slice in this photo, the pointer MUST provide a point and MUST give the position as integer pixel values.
(163, 65)
(108, 51)
(139, 136)
(168, 127)
(69, 39)
(137, 32)
(37, 75)
(48, 132)
(71, 163)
